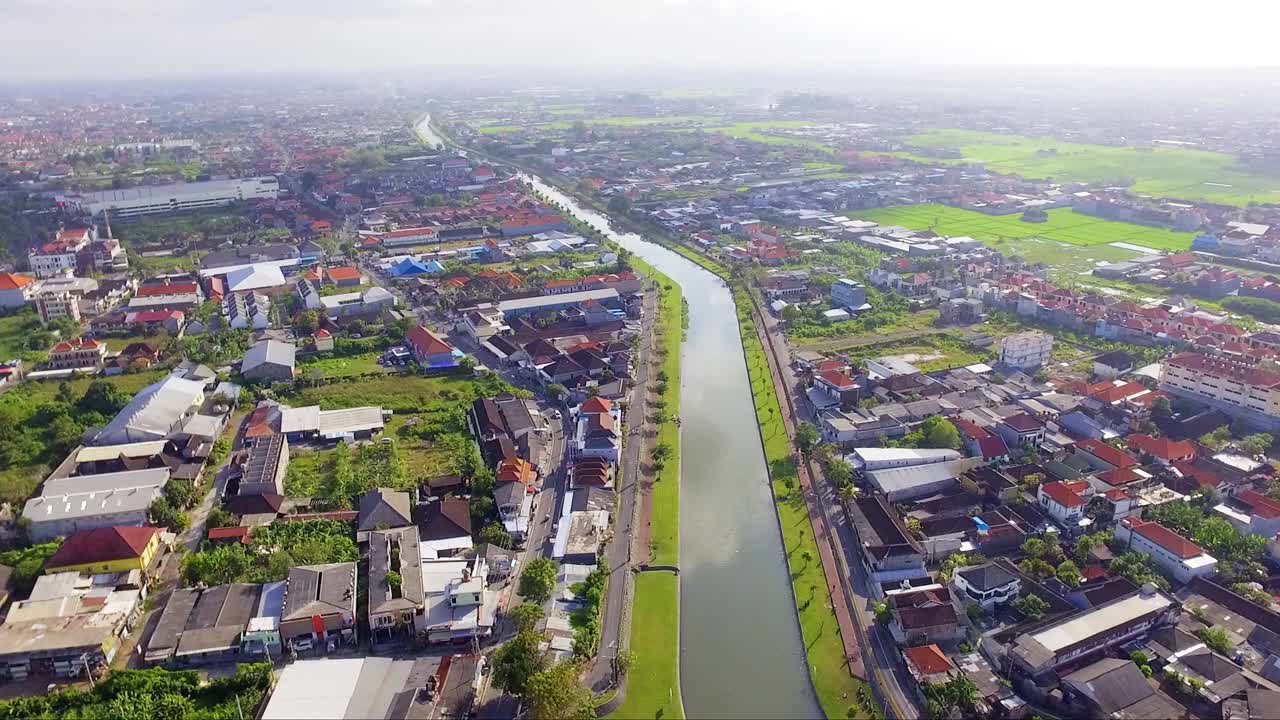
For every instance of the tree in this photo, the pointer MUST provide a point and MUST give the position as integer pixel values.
(219, 518)
(953, 562)
(468, 365)
(1037, 568)
(164, 514)
(1182, 518)
(538, 580)
(557, 694)
(1253, 593)
(393, 580)
(1257, 444)
(181, 494)
(958, 696)
(1217, 439)
(1136, 568)
(515, 663)
(495, 534)
(619, 204)
(1032, 606)
(915, 528)
(1069, 573)
(482, 508)
(103, 397)
(557, 391)
(1161, 409)
(1034, 547)
(806, 438)
(839, 471)
(661, 452)
(939, 432)
(525, 616)
(1217, 640)
(973, 610)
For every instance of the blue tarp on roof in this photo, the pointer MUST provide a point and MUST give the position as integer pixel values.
(412, 266)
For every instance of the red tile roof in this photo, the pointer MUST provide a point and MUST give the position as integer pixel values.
(1061, 494)
(1165, 538)
(1259, 504)
(838, 379)
(11, 281)
(427, 342)
(992, 446)
(1023, 422)
(1115, 394)
(1163, 448)
(103, 545)
(1214, 367)
(928, 659)
(1116, 495)
(1106, 453)
(970, 429)
(597, 405)
(166, 289)
(1119, 476)
(1203, 478)
(75, 345)
(240, 533)
(344, 273)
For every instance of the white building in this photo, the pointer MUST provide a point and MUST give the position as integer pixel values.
(59, 255)
(247, 311)
(1107, 625)
(1065, 502)
(1026, 350)
(987, 585)
(55, 306)
(1176, 555)
(1238, 389)
(154, 412)
(179, 197)
(88, 502)
(874, 458)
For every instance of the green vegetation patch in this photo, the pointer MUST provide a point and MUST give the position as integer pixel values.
(653, 683)
(1064, 226)
(341, 367)
(154, 693)
(272, 551)
(1162, 171)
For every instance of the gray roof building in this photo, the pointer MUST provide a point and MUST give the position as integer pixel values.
(384, 508)
(269, 361)
(155, 412)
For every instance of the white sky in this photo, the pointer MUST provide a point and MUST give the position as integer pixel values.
(98, 40)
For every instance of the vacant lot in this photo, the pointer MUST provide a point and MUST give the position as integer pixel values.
(758, 131)
(1163, 172)
(337, 367)
(1063, 225)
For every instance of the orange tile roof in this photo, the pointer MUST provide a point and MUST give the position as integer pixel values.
(12, 281)
(928, 659)
(1165, 538)
(344, 273)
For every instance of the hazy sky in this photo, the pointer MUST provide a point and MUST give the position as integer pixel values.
(98, 40)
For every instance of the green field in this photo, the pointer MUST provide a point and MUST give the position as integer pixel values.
(753, 130)
(1063, 225)
(653, 683)
(623, 121)
(1163, 172)
(336, 367)
(14, 331)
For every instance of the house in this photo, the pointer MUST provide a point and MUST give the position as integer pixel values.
(323, 340)
(1182, 559)
(1116, 688)
(219, 624)
(515, 507)
(832, 388)
(1065, 502)
(1252, 513)
(1038, 652)
(265, 467)
(269, 361)
(247, 311)
(848, 295)
(1026, 350)
(319, 609)
(382, 509)
(889, 552)
(459, 604)
(397, 601)
(928, 664)
(445, 526)
(15, 290)
(78, 354)
(987, 585)
(106, 550)
(906, 483)
(1113, 364)
(429, 349)
(1021, 431)
(923, 617)
(1102, 457)
(1162, 450)
(345, 276)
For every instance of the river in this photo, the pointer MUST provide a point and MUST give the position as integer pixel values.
(741, 653)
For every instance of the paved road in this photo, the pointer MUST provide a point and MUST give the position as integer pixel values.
(884, 668)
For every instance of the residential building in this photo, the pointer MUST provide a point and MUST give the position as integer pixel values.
(56, 306)
(523, 307)
(310, 423)
(847, 294)
(1116, 688)
(15, 290)
(382, 509)
(928, 664)
(515, 507)
(444, 527)
(319, 609)
(1076, 637)
(987, 585)
(269, 361)
(219, 624)
(367, 303)
(429, 349)
(247, 311)
(889, 552)
(77, 354)
(1026, 350)
(106, 550)
(1113, 364)
(923, 617)
(180, 197)
(397, 601)
(61, 255)
(459, 604)
(1239, 389)
(1252, 513)
(265, 467)
(323, 340)
(1065, 502)
(1180, 558)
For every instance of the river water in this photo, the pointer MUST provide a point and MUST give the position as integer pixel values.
(741, 654)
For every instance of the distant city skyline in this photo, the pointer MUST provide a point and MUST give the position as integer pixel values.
(88, 41)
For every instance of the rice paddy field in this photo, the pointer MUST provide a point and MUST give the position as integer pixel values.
(1163, 172)
(1063, 226)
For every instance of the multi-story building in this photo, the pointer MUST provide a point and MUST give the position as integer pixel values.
(78, 353)
(15, 290)
(1239, 389)
(848, 294)
(60, 255)
(179, 197)
(1026, 350)
(1176, 555)
(57, 305)
(987, 585)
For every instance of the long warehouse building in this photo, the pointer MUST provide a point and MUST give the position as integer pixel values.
(179, 197)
